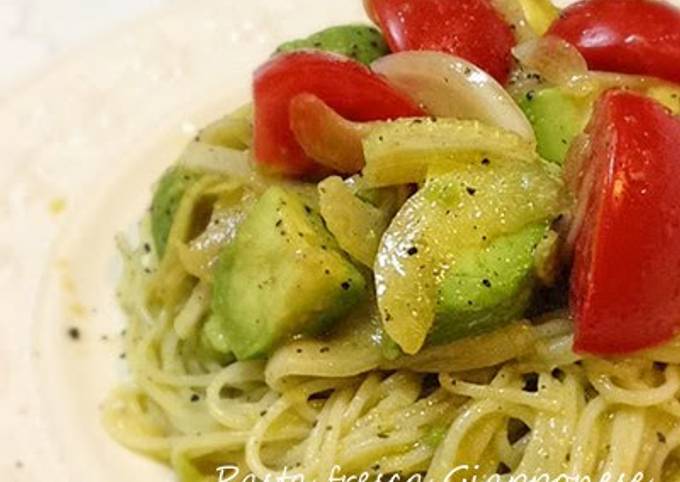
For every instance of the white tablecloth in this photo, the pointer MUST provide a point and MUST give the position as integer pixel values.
(36, 33)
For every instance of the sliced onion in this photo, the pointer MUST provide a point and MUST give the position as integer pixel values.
(327, 137)
(211, 159)
(558, 62)
(539, 14)
(358, 226)
(448, 86)
(473, 353)
(513, 13)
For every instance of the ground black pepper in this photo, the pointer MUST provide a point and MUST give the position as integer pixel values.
(74, 333)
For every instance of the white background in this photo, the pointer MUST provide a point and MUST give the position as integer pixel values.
(36, 33)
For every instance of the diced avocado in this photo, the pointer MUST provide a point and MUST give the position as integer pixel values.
(362, 43)
(212, 345)
(557, 118)
(166, 200)
(454, 214)
(487, 287)
(283, 275)
(443, 229)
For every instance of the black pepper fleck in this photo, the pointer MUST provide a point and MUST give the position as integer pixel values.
(530, 382)
(74, 333)
(412, 251)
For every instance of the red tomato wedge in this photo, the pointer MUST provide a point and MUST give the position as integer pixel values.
(628, 36)
(470, 29)
(346, 86)
(625, 287)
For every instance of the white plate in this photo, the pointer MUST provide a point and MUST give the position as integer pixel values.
(91, 137)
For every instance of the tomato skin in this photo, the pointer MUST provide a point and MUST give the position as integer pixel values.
(629, 36)
(471, 29)
(348, 87)
(625, 287)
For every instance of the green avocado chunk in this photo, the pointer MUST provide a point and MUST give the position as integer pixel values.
(166, 200)
(283, 275)
(488, 286)
(462, 238)
(557, 118)
(362, 43)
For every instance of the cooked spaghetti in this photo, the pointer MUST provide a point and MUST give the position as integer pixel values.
(403, 380)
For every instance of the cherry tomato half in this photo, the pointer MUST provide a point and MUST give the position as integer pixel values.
(628, 36)
(346, 86)
(625, 289)
(470, 29)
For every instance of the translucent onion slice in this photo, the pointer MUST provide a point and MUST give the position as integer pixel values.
(558, 62)
(539, 14)
(405, 151)
(327, 137)
(448, 86)
(211, 159)
(357, 225)
(473, 353)
(234, 131)
(443, 220)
